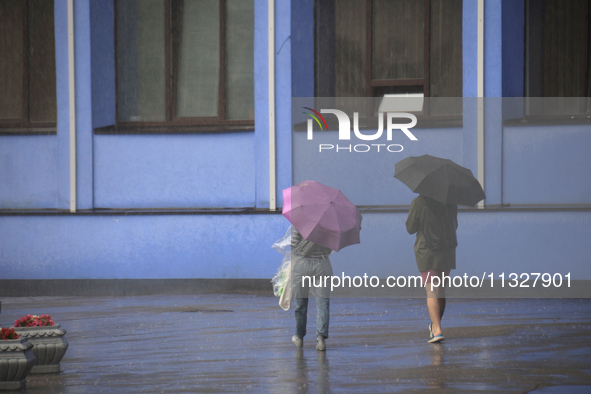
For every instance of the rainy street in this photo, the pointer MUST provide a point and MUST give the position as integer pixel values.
(241, 343)
(167, 167)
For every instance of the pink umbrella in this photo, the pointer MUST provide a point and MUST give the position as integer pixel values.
(322, 214)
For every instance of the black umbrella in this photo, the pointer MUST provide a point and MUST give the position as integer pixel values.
(441, 179)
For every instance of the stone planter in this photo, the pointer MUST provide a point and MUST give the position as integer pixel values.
(50, 346)
(16, 361)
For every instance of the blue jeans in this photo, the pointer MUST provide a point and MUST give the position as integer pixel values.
(322, 316)
(313, 268)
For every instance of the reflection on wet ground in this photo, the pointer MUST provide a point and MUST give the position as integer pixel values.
(241, 343)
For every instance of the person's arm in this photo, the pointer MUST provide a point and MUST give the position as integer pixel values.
(413, 222)
(296, 238)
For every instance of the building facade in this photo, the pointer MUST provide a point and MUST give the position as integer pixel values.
(160, 155)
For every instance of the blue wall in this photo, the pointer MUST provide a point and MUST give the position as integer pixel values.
(513, 28)
(469, 48)
(524, 166)
(552, 242)
(547, 165)
(282, 100)
(28, 172)
(367, 178)
(102, 44)
(140, 246)
(302, 48)
(174, 171)
(144, 171)
(532, 165)
(239, 246)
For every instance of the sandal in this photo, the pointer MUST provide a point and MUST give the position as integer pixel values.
(437, 338)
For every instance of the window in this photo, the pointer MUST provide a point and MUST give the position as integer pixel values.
(185, 62)
(375, 47)
(557, 63)
(27, 65)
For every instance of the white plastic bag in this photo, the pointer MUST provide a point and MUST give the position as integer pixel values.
(282, 276)
(282, 280)
(283, 245)
(287, 292)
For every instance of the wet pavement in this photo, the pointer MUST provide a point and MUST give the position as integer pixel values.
(228, 343)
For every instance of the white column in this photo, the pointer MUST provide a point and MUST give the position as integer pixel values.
(272, 160)
(480, 90)
(72, 100)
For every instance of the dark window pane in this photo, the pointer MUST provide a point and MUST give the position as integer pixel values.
(239, 59)
(446, 48)
(140, 60)
(12, 14)
(557, 51)
(445, 71)
(199, 59)
(42, 93)
(562, 47)
(350, 42)
(324, 48)
(398, 39)
(534, 49)
(398, 49)
(588, 87)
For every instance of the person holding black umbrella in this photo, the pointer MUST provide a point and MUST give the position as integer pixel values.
(433, 216)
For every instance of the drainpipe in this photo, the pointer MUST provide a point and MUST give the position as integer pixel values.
(272, 164)
(72, 100)
(480, 89)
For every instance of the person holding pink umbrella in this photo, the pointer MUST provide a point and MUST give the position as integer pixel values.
(323, 220)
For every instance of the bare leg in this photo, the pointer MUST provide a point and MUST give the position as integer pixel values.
(442, 303)
(436, 307)
(435, 315)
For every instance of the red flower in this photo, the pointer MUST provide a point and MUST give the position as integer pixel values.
(34, 321)
(8, 333)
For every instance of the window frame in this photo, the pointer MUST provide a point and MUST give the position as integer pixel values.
(173, 123)
(23, 125)
(371, 83)
(427, 118)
